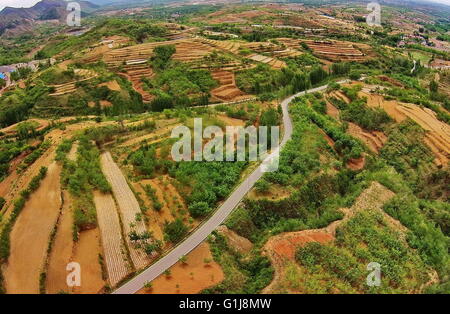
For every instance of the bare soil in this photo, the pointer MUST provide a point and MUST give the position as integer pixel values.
(62, 250)
(240, 244)
(191, 277)
(86, 253)
(112, 85)
(31, 234)
(438, 133)
(374, 140)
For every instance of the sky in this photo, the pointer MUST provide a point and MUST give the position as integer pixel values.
(17, 3)
(29, 3)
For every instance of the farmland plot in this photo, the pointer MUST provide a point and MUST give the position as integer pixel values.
(128, 207)
(62, 249)
(31, 234)
(111, 235)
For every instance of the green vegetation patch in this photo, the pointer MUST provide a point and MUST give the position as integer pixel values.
(363, 239)
(80, 177)
(243, 274)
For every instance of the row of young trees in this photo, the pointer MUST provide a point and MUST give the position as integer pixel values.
(80, 177)
(262, 79)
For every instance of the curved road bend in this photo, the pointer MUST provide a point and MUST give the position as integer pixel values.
(200, 234)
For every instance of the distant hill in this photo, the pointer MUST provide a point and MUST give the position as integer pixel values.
(19, 20)
(134, 2)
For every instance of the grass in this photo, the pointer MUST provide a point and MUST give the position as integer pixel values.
(422, 57)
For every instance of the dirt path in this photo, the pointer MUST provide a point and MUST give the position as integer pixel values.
(72, 154)
(281, 248)
(111, 235)
(128, 207)
(31, 233)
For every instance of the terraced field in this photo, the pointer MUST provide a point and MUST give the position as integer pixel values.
(374, 140)
(273, 62)
(229, 46)
(335, 50)
(68, 88)
(233, 47)
(227, 91)
(128, 207)
(111, 234)
(438, 133)
(135, 72)
(186, 50)
(192, 50)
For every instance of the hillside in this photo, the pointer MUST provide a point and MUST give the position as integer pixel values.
(90, 170)
(14, 21)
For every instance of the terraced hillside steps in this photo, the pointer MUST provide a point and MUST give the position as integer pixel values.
(135, 72)
(229, 46)
(273, 62)
(438, 133)
(111, 235)
(128, 208)
(67, 88)
(186, 50)
(336, 50)
(227, 90)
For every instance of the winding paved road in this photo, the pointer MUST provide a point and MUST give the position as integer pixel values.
(201, 233)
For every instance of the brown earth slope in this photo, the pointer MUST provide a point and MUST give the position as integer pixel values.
(31, 234)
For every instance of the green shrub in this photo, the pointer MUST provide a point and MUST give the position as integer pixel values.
(175, 231)
(199, 209)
